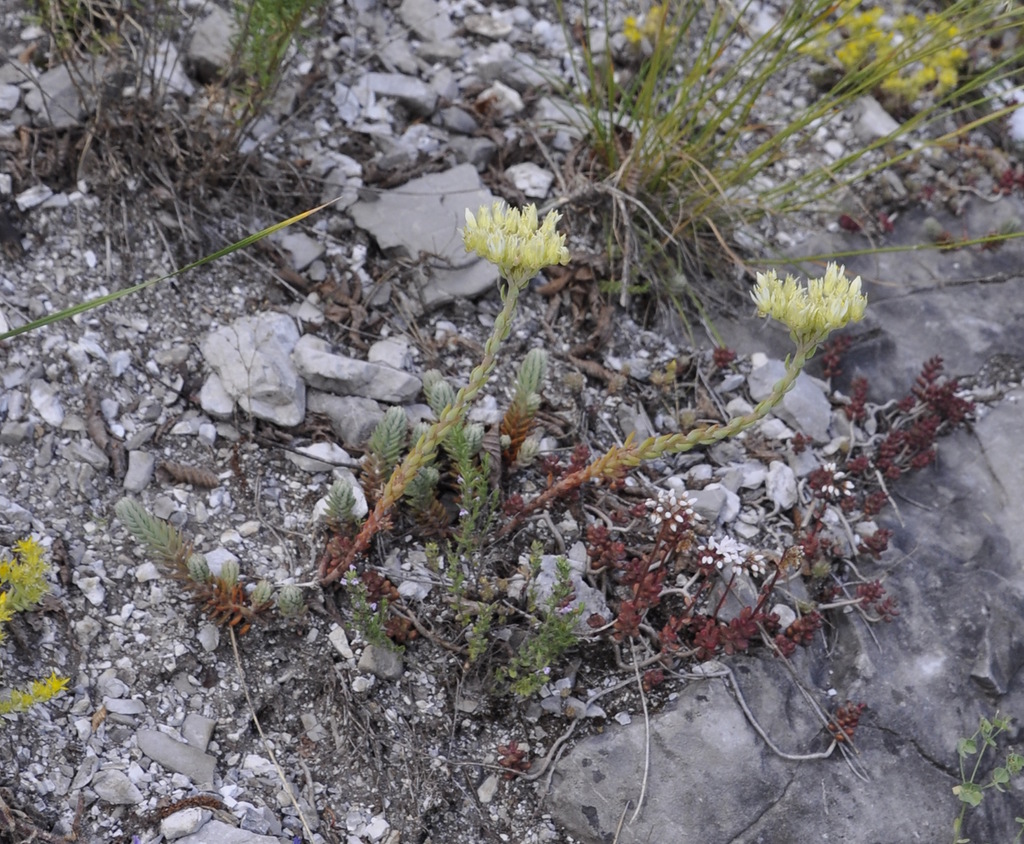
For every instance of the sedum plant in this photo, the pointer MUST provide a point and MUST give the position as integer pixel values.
(810, 313)
(918, 54)
(223, 597)
(22, 587)
(520, 245)
(516, 444)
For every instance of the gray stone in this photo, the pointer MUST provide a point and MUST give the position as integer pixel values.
(456, 119)
(46, 400)
(325, 370)
(477, 151)
(124, 706)
(715, 504)
(705, 742)
(430, 226)
(391, 351)
(209, 50)
(398, 55)
(780, 484)
(352, 418)
(177, 756)
(437, 52)
(9, 98)
(871, 121)
(303, 248)
(114, 787)
(495, 27)
(86, 451)
(218, 832)
(384, 663)
(998, 433)
(184, 822)
(339, 639)
(428, 19)
(13, 433)
(163, 66)
(500, 102)
(92, 588)
(252, 358)
(33, 196)
(208, 637)
(141, 465)
(586, 596)
(532, 180)
(55, 98)
(412, 93)
(320, 457)
(805, 406)
(198, 730)
(215, 400)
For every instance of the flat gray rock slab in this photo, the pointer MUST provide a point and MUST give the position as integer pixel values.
(251, 358)
(421, 220)
(115, 788)
(177, 756)
(804, 407)
(325, 370)
(427, 18)
(55, 99)
(218, 832)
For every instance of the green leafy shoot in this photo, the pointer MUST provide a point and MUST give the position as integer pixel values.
(555, 633)
(370, 618)
(971, 789)
(159, 537)
(390, 437)
(341, 501)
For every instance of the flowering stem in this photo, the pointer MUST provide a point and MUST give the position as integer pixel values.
(422, 453)
(618, 459)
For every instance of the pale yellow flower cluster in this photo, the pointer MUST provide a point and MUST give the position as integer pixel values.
(515, 241)
(810, 312)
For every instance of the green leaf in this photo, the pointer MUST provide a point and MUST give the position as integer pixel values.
(966, 747)
(969, 793)
(1015, 762)
(1000, 776)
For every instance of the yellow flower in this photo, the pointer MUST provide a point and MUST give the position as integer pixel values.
(39, 691)
(514, 240)
(631, 30)
(24, 575)
(811, 312)
(947, 80)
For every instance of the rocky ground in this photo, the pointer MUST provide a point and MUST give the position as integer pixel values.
(228, 399)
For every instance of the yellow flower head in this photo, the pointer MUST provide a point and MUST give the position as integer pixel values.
(631, 30)
(810, 312)
(513, 239)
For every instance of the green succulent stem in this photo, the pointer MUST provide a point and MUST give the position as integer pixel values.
(425, 449)
(619, 459)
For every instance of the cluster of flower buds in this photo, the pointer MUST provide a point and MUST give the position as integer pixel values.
(814, 311)
(832, 483)
(676, 510)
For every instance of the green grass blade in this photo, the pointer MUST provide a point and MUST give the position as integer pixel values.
(74, 310)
